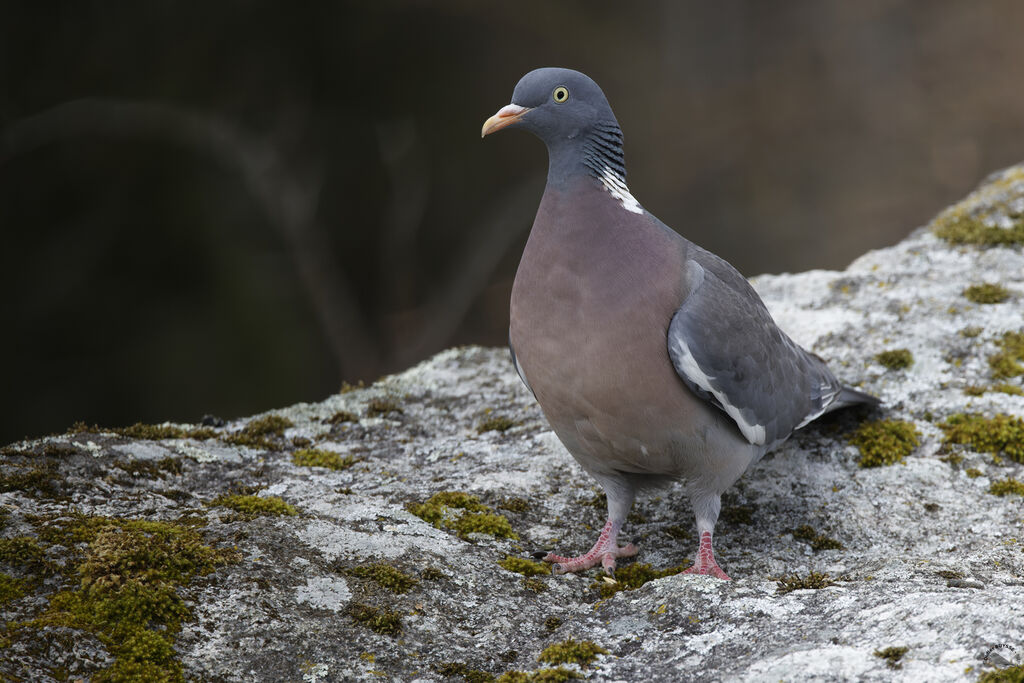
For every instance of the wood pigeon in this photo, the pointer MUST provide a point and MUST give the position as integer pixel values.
(652, 358)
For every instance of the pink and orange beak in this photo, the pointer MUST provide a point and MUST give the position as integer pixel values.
(505, 117)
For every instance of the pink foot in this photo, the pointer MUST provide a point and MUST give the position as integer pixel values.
(705, 563)
(604, 553)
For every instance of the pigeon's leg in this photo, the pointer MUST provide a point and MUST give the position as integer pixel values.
(707, 507)
(620, 498)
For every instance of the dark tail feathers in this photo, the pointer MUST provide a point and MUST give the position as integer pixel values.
(851, 397)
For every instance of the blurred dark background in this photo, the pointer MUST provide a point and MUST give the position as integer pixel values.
(229, 207)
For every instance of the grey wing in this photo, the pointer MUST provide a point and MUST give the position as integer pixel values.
(728, 350)
(515, 364)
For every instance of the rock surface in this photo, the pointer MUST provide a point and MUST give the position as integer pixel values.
(929, 560)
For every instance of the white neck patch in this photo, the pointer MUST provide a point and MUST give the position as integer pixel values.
(618, 189)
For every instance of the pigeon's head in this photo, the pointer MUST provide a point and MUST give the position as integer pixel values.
(556, 105)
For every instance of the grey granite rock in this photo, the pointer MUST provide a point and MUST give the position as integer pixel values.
(929, 561)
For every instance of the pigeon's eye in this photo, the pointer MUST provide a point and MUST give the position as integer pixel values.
(561, 94)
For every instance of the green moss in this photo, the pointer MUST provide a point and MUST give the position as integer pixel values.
(971, 332)
(582, 652)
(495, 423)
(987, 293)
(515, 505)
(738, 514)
(814, 580)
(40, 479)
(885, 442)
(892, 656)
(150, 469)
(451, 669)
(128, 592)
(382, 406)
(488, 523)
(552, 623)
(342, 416)
(433, 574)
(550, 675)
(164, 431)
(973, 472)
(261, 433)
(895, 359)
(633, 576)
(1007, 487)
(1001, 433)
(254, 506)
(1007, 363)
(523, 566)
(475, 517)
(382, 621)
(316, 457)
(11, 589)
(817, 541)
(23, 552)
(1012, 674)
(385, 575)
(959, 228)
(348, 388)
(535, 585)
(974, 390)
(1011, 389)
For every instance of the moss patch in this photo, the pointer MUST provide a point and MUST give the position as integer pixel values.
(1007, 487)
(814, 581)
(251, 507)
(470, 675)
(382, 406)
(147, 432)
(463, 513)
(515, 504)
(523, 566)
(40, 479)
(24, 552)
(266, 433)
(11, 588)
(128, 594)
(582, 652)
(1012, 674)
(960, 228)
(387, 576)
(633, 576)
(885, 442)
(379, 620)
(342, 416)
(1011, 389)
(495, 423)
(164, 431)
(317, 457)
(895, 359)
(817, 541)
(987, 293)
(1001, 433)
(550, 675)
(1007, 363)
(892, 656)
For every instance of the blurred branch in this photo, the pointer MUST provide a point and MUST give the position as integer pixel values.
(488, 243)
(403, 157)
(287, 196)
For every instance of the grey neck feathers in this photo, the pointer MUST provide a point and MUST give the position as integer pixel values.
(602, 151)
(597, 152)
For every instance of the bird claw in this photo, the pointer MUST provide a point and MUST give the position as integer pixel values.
(714, 570)
(598, 555)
